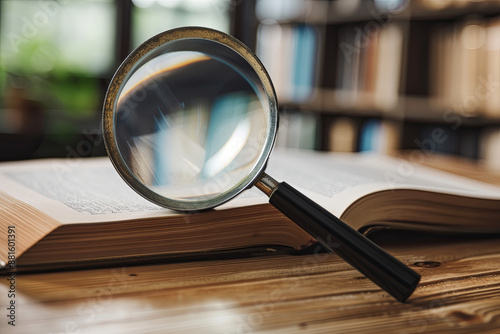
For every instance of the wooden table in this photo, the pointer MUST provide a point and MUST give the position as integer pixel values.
(459, 292)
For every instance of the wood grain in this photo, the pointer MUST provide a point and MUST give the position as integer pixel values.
(459, 292)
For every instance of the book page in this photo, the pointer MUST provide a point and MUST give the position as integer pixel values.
(84, 191)
(73, 190)
(336, 180)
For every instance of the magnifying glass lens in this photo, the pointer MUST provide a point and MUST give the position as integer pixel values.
(191, 122)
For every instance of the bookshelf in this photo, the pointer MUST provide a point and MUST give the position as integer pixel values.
(385, 75)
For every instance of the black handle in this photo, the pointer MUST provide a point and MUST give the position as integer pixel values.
(382, 268)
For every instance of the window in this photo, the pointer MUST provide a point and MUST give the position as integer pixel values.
(57, 56)
(150, 17)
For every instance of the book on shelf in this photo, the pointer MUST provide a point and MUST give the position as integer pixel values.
(345, 134)
(464, 72)
(492, 70)
(342, 135)
(62, 214)
(378, 135)
(290, 54)
(490, 141)
(368, 66)
(298, 130)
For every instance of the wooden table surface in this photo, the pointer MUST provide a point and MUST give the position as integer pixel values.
(459, 292)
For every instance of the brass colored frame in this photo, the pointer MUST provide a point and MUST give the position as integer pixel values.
(114, 89)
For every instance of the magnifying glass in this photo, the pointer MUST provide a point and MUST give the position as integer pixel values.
(190, 119)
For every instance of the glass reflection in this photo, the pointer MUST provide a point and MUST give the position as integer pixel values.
(191, 125)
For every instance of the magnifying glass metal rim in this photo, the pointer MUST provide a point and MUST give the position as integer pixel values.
(114, 91)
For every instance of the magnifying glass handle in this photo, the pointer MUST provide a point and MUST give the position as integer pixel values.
(382, 268)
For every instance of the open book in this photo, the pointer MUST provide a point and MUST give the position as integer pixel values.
(66, 213)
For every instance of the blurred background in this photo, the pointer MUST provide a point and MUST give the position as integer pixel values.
(351, 75)
(57, 58)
